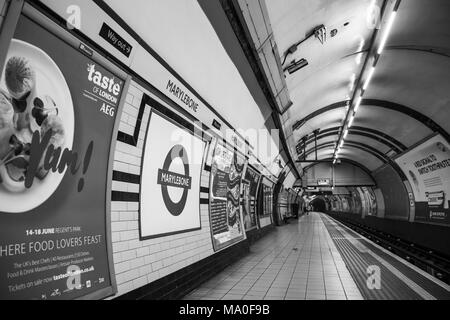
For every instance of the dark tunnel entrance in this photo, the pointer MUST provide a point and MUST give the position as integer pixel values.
(318, 205)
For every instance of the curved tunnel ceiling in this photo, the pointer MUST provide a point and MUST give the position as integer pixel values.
(408, 98)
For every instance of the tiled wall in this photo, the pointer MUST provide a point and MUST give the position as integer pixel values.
(138, 263)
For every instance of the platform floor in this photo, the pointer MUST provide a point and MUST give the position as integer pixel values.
(317, 258)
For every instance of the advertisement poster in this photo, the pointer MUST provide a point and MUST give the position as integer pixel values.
(427, 168)
(265, 215)
(357, 202)
(170, 185)
(268, 204)
(370, 201)
(250, 185)
(249, 219)
(282, 205)
(335, 203)
(57, 114)
(226, 173)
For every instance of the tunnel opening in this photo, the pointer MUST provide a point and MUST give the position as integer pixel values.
(318, 205)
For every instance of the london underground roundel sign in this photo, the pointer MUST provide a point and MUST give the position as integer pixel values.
(167, 179)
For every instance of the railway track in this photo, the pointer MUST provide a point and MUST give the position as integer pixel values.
(434, 263)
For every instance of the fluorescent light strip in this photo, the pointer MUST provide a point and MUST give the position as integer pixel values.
(342, 144)
(358, 103)
(369, 77)
(360, 54)
(387, 31)
(352, 82)
(350, 123)
(345, 133)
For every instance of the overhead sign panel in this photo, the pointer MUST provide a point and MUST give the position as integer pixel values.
(107, 33)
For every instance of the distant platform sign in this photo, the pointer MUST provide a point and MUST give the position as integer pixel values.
(323, 182)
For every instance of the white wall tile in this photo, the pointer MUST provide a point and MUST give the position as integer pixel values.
(129, 255)
(120, 246)
(126, 216)
(119, 226)
(124, 288)
(140, 282)
(120, 166)
(122, 267)
(118, 206)
(144, 251)
(134, 169)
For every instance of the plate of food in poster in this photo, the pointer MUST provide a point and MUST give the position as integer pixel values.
(34, 97)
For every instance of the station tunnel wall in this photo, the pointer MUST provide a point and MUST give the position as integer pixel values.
(388, 206)
(395, 195)
(392, 210)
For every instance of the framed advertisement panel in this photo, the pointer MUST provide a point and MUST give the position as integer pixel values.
(55, 186)
(427, 167)
(170, 179)
(265, 198)
(250, 187)
(227, 225)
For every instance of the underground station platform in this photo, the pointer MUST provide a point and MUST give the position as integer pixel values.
(225, 158)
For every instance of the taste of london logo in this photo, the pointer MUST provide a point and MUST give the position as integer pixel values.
(167, 179)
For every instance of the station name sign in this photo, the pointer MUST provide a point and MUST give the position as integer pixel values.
(181, 95)
(323, 182)
(168, 178)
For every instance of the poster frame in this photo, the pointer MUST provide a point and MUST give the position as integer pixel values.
(247, 183)
(411, 149)
(159, 108)
(41, 18)
(257, 226)
(243, 237)
(269, 184)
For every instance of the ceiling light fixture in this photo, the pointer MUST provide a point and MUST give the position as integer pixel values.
(386, 33)
(358, 103)
(297, 65)
(360, 54)
(350, 123)
(369, 78)
(320, 33)
(345, 133)
(352, 82)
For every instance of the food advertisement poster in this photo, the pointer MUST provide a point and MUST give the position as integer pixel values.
(57, 114)
(427, 168)
(170, 185)
(225, 215)
(250, 186)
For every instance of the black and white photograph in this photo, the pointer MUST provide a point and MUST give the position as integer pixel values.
(232, 158)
